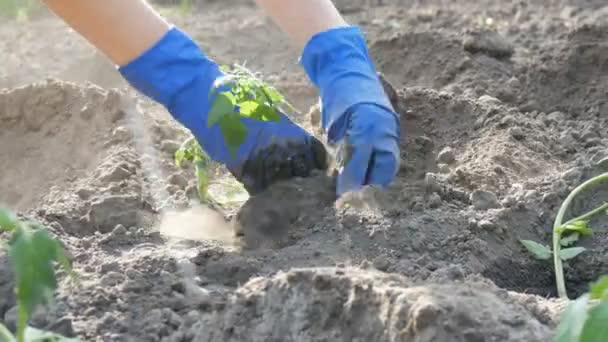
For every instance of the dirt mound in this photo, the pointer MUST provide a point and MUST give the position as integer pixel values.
(345, 304)
(572, 76)
(53, 133)
(439, 60)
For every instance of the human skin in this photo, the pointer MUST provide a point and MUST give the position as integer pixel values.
(123, 30)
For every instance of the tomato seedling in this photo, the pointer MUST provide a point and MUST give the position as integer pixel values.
(242, 95)
(572, 229)
(33, 254)
(192, 152)
(239, 95)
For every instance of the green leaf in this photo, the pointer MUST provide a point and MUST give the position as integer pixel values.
(581, 227)
(37, 335)
(5, 335)
(8, 221)
(234, 132)
(569, 253)
(596, 327)
(249, 108)
(180, 156)
(273, 94)
(570, 239)
(573, 320)
(222, 105)
(268, 113)
(599, 289)
(539, 251)
(33, 254)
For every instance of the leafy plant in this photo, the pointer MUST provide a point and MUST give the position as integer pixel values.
(33, 254)
(239, 95)
(586, 318)
(567, 233)
(242, 95)
(192, 152)
(18, 9)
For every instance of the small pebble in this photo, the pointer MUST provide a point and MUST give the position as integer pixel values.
(517, 132)
(434, 200)
(178, 180)
(507, 120)
(432, 182)
(489, 100)
(121, 133)
(169, 146)
(484, 200)
(119, 230)
(446, 156)
(381, 263)
(443, 168)
(486, 225)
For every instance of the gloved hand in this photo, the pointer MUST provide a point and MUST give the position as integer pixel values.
(356, 113)
(178, 75)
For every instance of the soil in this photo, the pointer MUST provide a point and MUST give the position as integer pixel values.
(503, 105)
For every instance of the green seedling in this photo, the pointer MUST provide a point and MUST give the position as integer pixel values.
(19, 10)
(192, 152)
(565, 234)
(242, 95)
(586, 318)
(33, 254)
(239, 95)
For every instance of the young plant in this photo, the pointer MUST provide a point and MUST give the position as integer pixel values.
(18, 9)
(33, 254)
(567, 233)
(242, 95)
(586, 318)
(575, 225)
(192, 152)
(239, 95)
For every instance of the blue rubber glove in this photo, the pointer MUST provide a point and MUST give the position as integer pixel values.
(177, 74)
(356, 113)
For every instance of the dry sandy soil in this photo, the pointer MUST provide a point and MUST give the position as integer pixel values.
(504, 105)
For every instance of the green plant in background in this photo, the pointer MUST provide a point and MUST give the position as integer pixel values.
(33, 254)
(567, 233)
(586, 318)
(18, 9)
(577, 225)
(186, 6)
(241, 94)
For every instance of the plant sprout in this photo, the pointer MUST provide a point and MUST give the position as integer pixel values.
(567, 233)
(33, 254)
(576, 225)
(191, 151)
(241, 94)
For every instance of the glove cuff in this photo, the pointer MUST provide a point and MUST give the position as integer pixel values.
(170, 66)
(338, 63)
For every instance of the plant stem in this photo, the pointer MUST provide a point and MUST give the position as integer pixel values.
(557, 261)
(6, 335)
(22, 323)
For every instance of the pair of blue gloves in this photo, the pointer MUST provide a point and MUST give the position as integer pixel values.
(356, 113)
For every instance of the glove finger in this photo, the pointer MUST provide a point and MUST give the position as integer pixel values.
(354, 168)
(384, 165)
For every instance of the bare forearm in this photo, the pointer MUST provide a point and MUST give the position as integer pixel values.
(121, 29)
(302, 19)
